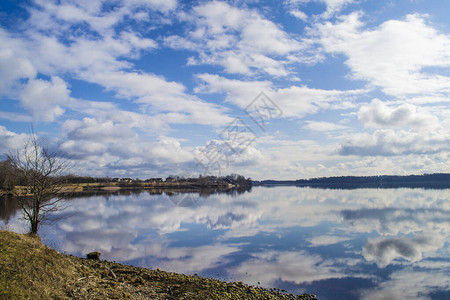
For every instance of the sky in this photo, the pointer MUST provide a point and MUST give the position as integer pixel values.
(267, 89)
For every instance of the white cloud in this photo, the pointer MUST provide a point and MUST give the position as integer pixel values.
(115, 144)
(404, 164)
(11, 141)
(91, 13)
(86, 44)
(157, 94)
(95, 58)
(294, 101)
(15, 117)
(332, 6)
(298, 101)
(240, 40)
(13, 68)
(323, 126)
(387, 142)
(104, 132)
(85, 55)
(378, 114)
(220, 157)
(299, 15)
(394, 55)
(44, 100)
(90, 150)
(178, 42)
(160, 5)
(237, 91)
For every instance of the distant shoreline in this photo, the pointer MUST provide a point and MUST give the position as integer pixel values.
(122, 186)
(430, 181)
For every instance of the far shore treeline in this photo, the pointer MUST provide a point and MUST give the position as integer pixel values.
(436, 180)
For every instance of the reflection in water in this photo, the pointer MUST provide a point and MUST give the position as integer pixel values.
(385, 250)
(8, 208)
(338, 244)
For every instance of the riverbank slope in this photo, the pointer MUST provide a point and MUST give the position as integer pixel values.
(30, 270)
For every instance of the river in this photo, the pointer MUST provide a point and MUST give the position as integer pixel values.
(337, 244)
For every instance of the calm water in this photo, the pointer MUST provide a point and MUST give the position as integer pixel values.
(338, 244)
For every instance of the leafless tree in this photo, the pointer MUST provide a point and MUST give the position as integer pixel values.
(40, 171)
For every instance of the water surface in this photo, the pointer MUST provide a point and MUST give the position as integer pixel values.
(337, 244)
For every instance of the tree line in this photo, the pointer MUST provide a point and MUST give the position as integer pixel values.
(435, 180)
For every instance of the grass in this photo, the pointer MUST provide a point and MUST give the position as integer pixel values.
(30, 270)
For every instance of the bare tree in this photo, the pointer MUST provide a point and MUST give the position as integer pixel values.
(40, 171)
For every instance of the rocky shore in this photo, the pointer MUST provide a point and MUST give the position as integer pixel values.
(30, 270)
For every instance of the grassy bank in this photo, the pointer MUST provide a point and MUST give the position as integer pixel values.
(30, 270)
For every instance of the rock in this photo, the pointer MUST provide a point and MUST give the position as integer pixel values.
(94, 255)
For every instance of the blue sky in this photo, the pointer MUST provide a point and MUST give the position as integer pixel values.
(268, 89)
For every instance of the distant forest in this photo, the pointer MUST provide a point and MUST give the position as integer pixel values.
(437, 180)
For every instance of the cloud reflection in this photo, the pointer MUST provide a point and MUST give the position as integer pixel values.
(298, 267)
(409, 284)
(284, 236)
(384, 250)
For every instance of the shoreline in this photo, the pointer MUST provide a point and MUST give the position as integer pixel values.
(122, 186)
(28, 269)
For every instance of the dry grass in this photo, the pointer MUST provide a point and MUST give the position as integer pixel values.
(30, 270)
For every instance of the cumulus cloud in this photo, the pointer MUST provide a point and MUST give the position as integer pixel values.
(386, 142)
(44, 100)
(12, 68)
(392, 56)
(157, 94)
(96, 56)
(334, 6)
(91, 13)
(240, 40)
(294, 101)
(11, 141)
(378, 114)
(219, 157)
(115, 146)
(104, 132)
(88, 44)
